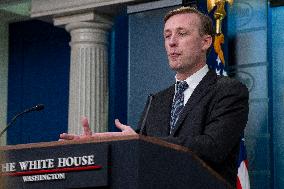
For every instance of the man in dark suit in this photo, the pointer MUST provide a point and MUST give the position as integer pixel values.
(202, 111)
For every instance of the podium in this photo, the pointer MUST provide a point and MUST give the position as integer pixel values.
(124, 162)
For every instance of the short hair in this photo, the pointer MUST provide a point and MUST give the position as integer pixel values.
(206, 22)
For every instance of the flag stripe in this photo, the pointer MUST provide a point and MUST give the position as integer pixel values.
(243, 176)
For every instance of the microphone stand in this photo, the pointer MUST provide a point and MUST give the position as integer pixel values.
(142, 128)
(38, 107)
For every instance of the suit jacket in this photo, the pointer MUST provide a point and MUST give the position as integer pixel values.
(210, 124)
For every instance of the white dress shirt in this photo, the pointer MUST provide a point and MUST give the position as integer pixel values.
(193, 81)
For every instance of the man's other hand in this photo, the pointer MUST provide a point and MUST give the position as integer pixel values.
(87, 133)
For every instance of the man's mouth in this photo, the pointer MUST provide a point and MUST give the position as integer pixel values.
(174, 55)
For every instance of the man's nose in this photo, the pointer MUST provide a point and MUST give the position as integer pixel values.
(173, 41)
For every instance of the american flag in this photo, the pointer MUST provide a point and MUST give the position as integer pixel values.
(219, 65)
(243, 176)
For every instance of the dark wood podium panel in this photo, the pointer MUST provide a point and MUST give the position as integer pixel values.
(124, 162)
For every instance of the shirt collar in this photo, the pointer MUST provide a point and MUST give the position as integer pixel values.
(195, 78)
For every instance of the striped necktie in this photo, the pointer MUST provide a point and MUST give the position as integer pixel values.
(178, 101)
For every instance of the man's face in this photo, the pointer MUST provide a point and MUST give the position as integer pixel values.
(186, 48)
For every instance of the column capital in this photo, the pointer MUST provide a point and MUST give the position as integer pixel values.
(88, 25)
(86, 28)
(89, 16)
(88, 32)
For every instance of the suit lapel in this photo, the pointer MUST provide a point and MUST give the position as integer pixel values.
(200, 91)
(167, 101)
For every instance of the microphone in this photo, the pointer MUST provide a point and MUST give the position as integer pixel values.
(143, 124)
(37, 107)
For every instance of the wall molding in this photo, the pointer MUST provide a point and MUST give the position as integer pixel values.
(54, 7)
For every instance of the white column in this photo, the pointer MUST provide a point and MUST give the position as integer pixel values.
(88, 94)
(4, 33)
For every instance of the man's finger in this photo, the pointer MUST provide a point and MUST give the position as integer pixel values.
(86, 128)
(66, 136)
(119, 125)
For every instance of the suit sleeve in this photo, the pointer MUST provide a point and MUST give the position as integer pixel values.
(225, 124)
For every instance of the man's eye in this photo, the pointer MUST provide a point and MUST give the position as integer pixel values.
(167, 36)
(182, 33)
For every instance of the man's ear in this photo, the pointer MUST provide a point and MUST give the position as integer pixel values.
(206, 42)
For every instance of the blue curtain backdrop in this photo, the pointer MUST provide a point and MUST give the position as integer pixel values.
(118, 71)
(38, 73)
